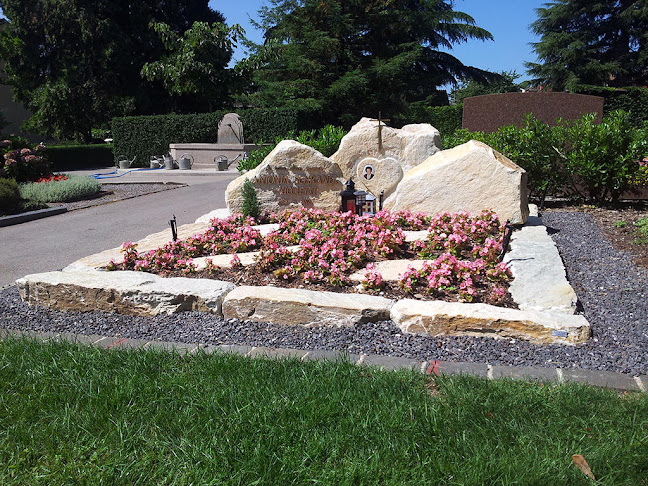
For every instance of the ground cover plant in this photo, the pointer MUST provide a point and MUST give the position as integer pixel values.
(321, 250)
(71, 414)
(60, 188)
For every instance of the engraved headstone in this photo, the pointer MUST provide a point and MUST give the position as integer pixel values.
(230, 130)
(377, 175)
(292, 175)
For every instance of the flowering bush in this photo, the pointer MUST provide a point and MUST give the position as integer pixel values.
(462, 251)
(21, 162)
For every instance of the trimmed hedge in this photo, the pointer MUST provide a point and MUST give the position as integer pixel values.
(143, 136)
(72, 157)
(633, 99)
(446, 119)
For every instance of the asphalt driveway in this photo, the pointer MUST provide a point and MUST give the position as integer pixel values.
(52, 243)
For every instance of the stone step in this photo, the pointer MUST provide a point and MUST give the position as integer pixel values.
(304, 307)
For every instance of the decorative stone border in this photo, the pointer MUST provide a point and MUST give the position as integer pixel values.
(540, 288)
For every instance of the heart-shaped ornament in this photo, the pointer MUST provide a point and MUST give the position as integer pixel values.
(376, 175)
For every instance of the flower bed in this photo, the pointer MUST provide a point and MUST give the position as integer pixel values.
(321, 250)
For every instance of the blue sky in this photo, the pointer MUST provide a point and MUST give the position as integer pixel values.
(507, 20)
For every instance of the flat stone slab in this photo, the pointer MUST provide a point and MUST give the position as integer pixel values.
(137, 293)
(451, 318)
(225, 260)
(539, 276)
(304, 307)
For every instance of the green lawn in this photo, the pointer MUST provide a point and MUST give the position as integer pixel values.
(78, 415)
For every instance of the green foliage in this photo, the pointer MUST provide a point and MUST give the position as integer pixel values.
(9, 196)
(604, 157)
(446, 119)
(505, 84)
(70, 189)
(633, 99)
(22, 162)
(580, 159)
(348, 59)
(250, 204)
(196, 61)
(326, 141)
(76, 64)
(600, 42)
(143, 136)
(71, 157)
(641, 232)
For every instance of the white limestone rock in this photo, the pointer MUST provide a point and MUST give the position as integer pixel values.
(471, 177)
(125, 292)
(292, 175)
(450, 318)
(301, 307)
(539, 276)
(402, 149)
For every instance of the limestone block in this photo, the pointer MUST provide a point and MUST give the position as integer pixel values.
(402, 149)
(222, 213)
(450, 318)
(471, 177)
(292, 175)
(539, 277)
(303, 307)
(125, 292)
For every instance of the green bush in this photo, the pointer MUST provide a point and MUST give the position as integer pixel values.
(641, 232)
(325, 140)
(633, 99)
(9, 196)
(73, 157)
(446, 119)
(250, 205)
(21, 161)
(603, 158)
(143, 136)
(70, 189)
(580, 159)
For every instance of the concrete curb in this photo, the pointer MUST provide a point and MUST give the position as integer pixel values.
(31, 216)
(604, 379)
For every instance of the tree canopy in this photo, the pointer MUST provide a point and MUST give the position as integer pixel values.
(352, 58)
(598, 42)
(76, 64)
(505, 84)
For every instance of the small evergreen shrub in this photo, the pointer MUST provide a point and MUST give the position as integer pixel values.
(70, 189)
(9, 196)
(250, 206)
(641, 232)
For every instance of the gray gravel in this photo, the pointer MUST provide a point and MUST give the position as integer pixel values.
(611, 289)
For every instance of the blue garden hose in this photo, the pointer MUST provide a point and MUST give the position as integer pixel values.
(109, 175)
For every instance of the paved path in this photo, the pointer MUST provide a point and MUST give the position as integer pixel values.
(52, 243)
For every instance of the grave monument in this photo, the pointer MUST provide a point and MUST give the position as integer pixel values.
(230, 144)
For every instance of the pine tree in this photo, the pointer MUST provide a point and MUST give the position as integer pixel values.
(598, 42)
(352, 58)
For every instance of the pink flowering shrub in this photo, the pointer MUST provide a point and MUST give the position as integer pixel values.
(372, 279)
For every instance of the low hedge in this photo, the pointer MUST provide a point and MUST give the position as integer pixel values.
(143, 136)
(446, 119)
(74, 157)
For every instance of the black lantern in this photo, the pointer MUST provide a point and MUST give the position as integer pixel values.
(348, 198)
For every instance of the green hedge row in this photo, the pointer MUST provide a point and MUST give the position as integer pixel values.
(73, 157)
(446, 119)
(633, 100)
(143, 136)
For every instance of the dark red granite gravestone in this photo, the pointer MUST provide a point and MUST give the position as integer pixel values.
(489, 112)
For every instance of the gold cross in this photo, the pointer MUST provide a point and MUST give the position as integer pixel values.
(380, 120)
